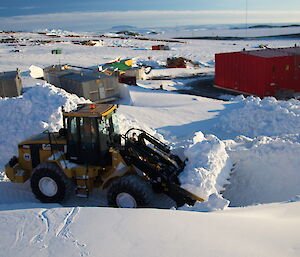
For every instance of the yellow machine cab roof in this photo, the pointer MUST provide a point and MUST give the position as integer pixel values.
(92, 110)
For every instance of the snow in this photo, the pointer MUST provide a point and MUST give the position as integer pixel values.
(208, 166)
(172, 110)
(178, 72)
(240, 153)
(266, 230)
(268, 117)
(267, 170)
(36, 72)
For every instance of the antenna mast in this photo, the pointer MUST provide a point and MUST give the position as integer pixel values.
(246, 18)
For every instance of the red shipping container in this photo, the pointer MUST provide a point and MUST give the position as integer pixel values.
(160, 47)
(267, 72)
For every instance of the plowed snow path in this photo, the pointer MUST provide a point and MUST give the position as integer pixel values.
(13, 194)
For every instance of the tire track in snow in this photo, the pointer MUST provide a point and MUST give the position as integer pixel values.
(45, 218)
(23, 230)
(56, 223)
(42, 215)
(20, 232)
(63, 228)
(64, 231)
(16, 240)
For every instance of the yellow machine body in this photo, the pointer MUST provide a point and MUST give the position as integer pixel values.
(53, 149)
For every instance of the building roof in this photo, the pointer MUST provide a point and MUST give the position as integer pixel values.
(85, 76)
(92, 110)
(274, 52)
(8, 75)
(58, 67)
(120, 66)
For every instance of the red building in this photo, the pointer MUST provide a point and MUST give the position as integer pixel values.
(267, 72)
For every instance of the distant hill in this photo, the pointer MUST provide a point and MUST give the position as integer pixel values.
(272, 26)
(123, 28)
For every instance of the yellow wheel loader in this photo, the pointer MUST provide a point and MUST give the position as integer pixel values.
(89, 152)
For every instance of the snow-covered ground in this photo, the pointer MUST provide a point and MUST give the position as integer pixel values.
(241, 153)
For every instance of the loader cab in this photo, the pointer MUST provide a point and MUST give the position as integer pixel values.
(90, 131)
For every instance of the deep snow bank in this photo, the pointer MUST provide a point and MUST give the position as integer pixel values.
(37, 110)
(254, 117)
(267, 170)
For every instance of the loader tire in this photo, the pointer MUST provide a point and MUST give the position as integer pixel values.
(130, 191)
(49, 184)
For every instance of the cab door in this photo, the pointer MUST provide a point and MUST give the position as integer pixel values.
(89, 140)
(73, 139)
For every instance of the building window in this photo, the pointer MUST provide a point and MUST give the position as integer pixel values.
(287, 67)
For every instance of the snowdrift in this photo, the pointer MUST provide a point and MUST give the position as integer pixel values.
(254, 117)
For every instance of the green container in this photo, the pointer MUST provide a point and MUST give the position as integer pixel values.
(56, 51)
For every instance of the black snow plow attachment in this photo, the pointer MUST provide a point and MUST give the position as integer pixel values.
(154, 159)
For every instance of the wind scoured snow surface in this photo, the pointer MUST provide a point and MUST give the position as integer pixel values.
(37, 110)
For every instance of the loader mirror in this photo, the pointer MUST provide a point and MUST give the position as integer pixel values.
(63, 132)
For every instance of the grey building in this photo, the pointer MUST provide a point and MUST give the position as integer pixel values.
(85, 83)
(10, 84)
(93, 86)
(53, 74)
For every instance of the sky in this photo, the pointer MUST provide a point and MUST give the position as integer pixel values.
(100, 14)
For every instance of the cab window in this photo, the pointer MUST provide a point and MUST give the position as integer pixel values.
(88, 128)
(73, 129)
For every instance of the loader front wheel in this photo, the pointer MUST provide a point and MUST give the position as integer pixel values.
(49, 184)
(129, 191)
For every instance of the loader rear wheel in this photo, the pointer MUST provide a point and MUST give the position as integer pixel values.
(130, 191)
(49, 184)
